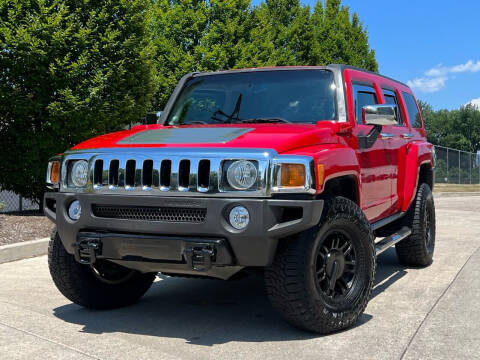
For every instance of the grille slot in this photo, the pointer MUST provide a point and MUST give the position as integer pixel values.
(97, 173)
(147, 173)
(113, 173)
(184, 174)
(130, 173)
(151, 213)
(203, 175)
(165, 173)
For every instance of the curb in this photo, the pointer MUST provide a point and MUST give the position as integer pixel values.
(23, 250)
(455, 194)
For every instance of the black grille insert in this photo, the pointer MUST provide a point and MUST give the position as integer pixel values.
(151, 213)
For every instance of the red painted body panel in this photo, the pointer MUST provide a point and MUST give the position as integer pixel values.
(401, 158)
(337, 160)
(280, 137)
(419, 152)
(386, 174)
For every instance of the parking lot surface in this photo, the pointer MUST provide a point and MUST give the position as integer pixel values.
(414, 313)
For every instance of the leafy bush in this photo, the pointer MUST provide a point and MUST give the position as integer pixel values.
(69, 70)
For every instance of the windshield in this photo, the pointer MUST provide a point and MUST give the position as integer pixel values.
(296, 96)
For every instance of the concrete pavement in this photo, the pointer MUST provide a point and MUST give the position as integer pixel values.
(429, 313)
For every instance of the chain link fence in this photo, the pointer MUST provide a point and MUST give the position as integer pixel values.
(11, 202)
(456, 166)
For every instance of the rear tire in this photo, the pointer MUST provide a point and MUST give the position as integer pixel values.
(418, 248)
(312, 282)
(104, 286)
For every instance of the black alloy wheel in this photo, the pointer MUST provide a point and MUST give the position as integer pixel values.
(335, 266)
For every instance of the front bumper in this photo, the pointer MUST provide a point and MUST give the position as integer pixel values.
(160, 246)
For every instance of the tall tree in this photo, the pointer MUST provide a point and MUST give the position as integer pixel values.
(69, 70)
(282, 34)
(225, 36)
(457, 129)
(199, 35)
(339, 37)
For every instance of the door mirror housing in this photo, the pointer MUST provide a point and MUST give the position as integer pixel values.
(152, 118)
(379, 115)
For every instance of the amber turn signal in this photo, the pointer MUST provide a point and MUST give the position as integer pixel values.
(293, 175)
(55, 172)
(320, 174)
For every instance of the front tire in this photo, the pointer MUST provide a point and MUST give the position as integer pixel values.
(321, 279)
(418, 248)
(103, 286)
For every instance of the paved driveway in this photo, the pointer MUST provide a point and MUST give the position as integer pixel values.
(414, 313)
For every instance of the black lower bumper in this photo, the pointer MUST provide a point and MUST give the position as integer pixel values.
(170, 246)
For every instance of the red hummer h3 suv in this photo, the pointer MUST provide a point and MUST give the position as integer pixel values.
(293, 170)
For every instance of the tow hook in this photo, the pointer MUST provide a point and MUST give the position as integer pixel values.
(199, 257)
(87, 249)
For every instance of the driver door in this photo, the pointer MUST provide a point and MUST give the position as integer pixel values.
(375, 161)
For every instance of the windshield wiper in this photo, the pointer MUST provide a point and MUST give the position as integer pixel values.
(264, 120)
(232, 116)
(216, 118)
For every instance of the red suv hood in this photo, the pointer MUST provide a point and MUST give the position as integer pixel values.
(280, 137)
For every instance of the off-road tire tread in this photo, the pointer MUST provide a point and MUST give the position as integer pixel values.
(78, 284)
(286, 277)
(412, 250)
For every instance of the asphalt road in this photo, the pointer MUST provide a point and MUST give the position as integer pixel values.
(430, 313)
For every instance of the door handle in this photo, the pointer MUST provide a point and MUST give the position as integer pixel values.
(386, 136)
(407, 136)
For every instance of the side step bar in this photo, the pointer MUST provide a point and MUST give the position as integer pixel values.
(391, 240)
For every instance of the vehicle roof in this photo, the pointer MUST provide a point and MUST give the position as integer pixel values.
(332, 67)
(342, 67)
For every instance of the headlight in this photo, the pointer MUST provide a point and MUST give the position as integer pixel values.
(79, 173)
(242, 174)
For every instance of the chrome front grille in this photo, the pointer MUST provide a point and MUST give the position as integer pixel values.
(172, 174)
(166, 171)
(148, 174)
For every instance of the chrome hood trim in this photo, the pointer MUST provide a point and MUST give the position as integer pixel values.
(185, 136)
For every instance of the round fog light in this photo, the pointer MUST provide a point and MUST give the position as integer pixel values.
(75, 210)
(239, 217)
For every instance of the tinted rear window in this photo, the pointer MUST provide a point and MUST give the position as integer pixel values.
(391, 99)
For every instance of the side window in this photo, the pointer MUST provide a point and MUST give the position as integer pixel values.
(413, 113)
(364, 95)
(391, 98)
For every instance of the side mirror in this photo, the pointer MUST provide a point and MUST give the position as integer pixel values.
(152, 118)
(379, 115)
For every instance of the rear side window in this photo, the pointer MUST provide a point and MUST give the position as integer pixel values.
(413, 113)
(364, 95)
(391, 98)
